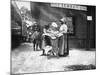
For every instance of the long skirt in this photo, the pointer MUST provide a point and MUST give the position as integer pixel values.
(61, 45)
(45, 41)
(48, 41)
(54, 43)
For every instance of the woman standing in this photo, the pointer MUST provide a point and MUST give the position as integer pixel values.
(50, 36)
(61, 41)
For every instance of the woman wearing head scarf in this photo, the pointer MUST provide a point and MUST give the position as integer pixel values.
(54, 39)
(51, 34)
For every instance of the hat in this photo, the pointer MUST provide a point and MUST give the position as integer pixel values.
(63, 19)
(54, 24)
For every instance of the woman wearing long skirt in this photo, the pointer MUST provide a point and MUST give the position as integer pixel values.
(61, 41)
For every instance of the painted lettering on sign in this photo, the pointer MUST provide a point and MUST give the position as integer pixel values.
(69, 6)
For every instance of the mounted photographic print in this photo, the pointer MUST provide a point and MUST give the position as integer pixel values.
(52, 37)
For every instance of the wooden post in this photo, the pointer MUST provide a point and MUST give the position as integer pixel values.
(89, 19)
(67, 44)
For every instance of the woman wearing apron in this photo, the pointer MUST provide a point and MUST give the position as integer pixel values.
(51, 33)
(61, 41)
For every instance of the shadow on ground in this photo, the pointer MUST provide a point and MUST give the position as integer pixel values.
(80, 67)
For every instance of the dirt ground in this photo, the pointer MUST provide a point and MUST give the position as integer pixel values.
(25, 60)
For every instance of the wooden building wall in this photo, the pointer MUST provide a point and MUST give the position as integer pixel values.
(45, 14)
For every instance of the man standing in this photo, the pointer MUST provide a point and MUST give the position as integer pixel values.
(62, 33)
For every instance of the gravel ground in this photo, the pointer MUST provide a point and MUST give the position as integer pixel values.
(25, 60)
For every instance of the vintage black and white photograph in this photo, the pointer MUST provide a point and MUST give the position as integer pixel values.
(52, 37)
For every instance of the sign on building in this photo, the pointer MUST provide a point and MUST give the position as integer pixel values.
(89, 18)
(69, 6)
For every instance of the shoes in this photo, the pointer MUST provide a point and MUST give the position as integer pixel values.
(63, 55)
